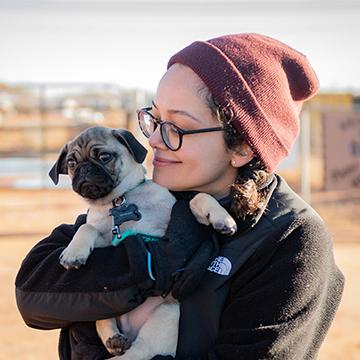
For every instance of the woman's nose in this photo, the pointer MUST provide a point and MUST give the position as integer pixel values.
(156, 141)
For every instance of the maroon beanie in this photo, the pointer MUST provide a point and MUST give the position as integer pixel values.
(261, 81)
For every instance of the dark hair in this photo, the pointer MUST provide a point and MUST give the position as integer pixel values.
(248, 195)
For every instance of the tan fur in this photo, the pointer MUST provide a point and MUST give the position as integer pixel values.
(155, 315)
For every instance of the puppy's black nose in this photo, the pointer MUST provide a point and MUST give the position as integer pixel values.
(92, 181)
(86, 170)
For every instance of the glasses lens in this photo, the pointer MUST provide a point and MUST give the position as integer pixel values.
(147, 123)
(170, 136)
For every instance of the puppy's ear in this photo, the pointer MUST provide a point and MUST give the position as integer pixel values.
(134, 146)
(60, 166)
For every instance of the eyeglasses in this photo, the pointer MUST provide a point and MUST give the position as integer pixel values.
(171, 134)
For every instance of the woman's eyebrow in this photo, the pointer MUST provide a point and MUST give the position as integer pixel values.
(179, 112)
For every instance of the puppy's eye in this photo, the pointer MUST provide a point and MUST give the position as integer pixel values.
(105, 157)
(71, 163)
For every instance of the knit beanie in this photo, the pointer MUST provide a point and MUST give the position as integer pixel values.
(261, 82)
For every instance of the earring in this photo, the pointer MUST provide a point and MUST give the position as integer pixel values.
(233, 163)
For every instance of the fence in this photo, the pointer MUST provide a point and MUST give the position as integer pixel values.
(36, 120)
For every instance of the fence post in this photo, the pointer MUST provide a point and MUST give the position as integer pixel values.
(43, 109)
(305, 151)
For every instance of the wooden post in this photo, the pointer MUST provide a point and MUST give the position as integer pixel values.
(305, 151)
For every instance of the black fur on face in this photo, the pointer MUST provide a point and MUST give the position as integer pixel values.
(92, 181)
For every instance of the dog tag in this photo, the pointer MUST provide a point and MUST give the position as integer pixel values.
(122, 214)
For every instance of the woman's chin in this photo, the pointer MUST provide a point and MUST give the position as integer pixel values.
(162, 182)
(166, 182)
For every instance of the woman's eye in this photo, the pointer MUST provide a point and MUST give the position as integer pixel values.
(105, 157)
(71, 163)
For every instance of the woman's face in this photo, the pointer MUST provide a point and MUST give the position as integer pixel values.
(202, 163)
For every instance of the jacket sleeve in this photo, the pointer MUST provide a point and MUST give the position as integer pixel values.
(114, 279)
(49, 296)
(281, 306)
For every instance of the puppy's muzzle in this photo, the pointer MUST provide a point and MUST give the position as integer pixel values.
(91, 181)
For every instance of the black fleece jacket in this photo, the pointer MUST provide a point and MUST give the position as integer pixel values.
(270, 292)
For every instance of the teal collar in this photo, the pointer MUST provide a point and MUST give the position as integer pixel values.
(145, 237)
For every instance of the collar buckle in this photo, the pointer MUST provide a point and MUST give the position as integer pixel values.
(118, 201)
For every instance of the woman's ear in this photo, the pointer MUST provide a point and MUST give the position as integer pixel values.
(241, 155)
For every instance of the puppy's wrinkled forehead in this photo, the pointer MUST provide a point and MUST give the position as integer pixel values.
(91, 138)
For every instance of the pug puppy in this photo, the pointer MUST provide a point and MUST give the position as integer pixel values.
(105, 166)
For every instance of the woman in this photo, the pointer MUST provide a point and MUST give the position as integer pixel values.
(272, 289)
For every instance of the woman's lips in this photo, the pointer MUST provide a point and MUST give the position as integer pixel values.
(159, 161)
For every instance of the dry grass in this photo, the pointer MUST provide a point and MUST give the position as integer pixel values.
(29, 215)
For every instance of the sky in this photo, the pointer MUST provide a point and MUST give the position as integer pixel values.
(129, 42)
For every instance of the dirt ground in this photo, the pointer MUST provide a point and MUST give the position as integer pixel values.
(27, 216)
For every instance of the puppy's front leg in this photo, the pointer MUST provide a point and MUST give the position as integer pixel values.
(115, 342)
(208, 211)
(80, 247)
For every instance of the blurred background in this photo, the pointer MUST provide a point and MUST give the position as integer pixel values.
(67, 65)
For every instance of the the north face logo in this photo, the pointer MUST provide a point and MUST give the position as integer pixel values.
(220, 265)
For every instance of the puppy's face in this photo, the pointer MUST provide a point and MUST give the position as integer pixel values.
(94, 164)
(97, 160)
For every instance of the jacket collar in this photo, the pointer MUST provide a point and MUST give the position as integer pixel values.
(249, 221)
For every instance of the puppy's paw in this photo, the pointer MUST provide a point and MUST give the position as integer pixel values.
(225, 226)
(208, 211)
(117, 344)
(71, 259)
